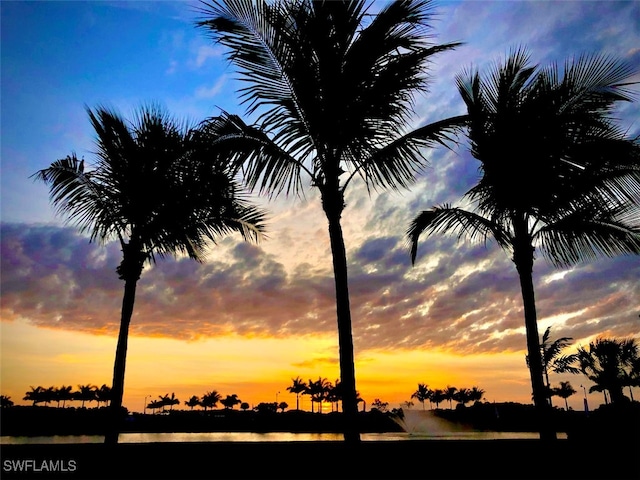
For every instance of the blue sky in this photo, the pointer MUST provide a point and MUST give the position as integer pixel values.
(58, 57)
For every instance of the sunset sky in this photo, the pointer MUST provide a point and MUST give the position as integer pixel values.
(252, 317)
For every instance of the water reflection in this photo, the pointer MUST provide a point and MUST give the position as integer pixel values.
(266, 437)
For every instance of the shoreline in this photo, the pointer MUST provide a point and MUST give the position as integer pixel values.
(433, 459)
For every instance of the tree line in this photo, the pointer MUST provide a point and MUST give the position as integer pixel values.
(333, 97)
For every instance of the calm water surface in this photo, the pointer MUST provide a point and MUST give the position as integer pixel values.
(266, 437)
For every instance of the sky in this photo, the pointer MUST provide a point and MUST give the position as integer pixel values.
(254, 316)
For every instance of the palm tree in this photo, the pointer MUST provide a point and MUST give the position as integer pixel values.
(5, 401)
(556, 174)
(103, 394)
(552, 358)
(422, 394)
(608, 363)
(438, 396)
(333, 87)
(194, 401)
(210, 399)
(159, 189)
(298, 386)
(450, 394)
(462, 396)
(476, 394)
(86, 393)
(565, 390)
(156, 405)
(64, 394)
(34, 395)
(230, 401)
(318, 392)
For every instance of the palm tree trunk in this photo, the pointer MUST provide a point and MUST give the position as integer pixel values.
(523, 258)
(117, 389)
(343, 310)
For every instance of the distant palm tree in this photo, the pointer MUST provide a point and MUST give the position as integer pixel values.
(159, 189)
(194, 401)
(552, 358)
(450, 394)
(103, 394)
(565, 390)
(438, 396)
(298, 386)
(5, 401)
(155, 405)
(64, 394)
(607, 362)
(462, 396)
(210, 399)
(335, 87)
(230, 401)
(86, 393)
(476, 394)
(34, 395)
(318, 392)
(422, 394)
(556, 173)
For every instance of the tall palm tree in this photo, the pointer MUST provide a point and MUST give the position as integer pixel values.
(557, 174)
(298, 386)
(333, 88)
(160, 189)
(608, 362)
(422, 394)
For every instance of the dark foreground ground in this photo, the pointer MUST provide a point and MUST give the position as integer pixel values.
(414, 459)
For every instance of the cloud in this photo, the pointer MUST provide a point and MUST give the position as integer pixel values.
(212, 91)
(459, 297)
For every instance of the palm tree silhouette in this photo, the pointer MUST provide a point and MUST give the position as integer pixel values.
(298, 386)
(318, 391)
(194, 401)
(607, 362)
(565, 390)
(334, 87)
(64, 394)
(210, 399)
(422, 394)
(230, 401)
(103, 394)
(476, 394)
(552, 358)
(556, 173)
(86, 393)
(34, 395)
(450, 394)
(160, 189)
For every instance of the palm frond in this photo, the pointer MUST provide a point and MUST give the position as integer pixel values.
(447, 219)
(590, 233)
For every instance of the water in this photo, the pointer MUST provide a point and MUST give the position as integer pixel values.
(265, 437)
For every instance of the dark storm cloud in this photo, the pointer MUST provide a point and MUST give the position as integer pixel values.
(466, 300)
